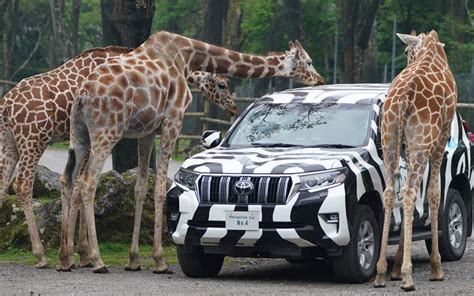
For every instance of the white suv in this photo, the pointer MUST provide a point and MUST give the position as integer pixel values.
(299, 176)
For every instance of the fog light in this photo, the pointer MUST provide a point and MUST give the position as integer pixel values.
(174, 216)
(332, 218)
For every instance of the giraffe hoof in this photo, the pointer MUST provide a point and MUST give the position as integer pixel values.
(102, 270)
(42, 265)
(164, 271)
(135, 268)
(395, 276)
(436, 277)
(63, 269)
(408, 288)
(85, 265)
(380, 281)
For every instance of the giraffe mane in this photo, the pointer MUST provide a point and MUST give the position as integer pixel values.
(109, 48)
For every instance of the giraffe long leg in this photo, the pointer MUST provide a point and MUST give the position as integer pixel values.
(145, 146)
(170, 129)
(23, 187)
(70, 198)
(83, 243)
(388, 204)
(88, 184)
(8, 160)
(396, 274)
(419, 160)
(434, 201)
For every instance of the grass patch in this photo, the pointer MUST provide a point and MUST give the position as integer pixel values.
(60, 145)
(113, 254)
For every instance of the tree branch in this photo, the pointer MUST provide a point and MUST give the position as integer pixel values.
(32, 53)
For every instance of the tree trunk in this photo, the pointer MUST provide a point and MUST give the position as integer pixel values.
(10, 34)
(357, 21)
(58, 49)
(127, 23)
(212, 32)
(370, 70)
(76, 10)
(233, 32)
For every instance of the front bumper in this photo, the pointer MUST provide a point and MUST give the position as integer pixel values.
(300, 223)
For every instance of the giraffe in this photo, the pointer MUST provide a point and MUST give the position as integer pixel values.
(419, 108)
(36, 112)
(134, 95)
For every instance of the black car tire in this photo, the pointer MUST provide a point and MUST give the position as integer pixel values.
(197, 264)
(347, 266)
(447, 250)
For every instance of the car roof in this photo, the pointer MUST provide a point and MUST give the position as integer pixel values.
(372, 93)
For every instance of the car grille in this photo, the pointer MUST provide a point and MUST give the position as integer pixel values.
(267, 190)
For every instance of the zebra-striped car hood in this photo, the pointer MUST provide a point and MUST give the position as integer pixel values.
(270, 160)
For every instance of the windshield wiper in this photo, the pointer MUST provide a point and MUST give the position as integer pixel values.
(331, 146)
(274, 145)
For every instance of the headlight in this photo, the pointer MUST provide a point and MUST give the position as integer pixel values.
(186, 178)
(322, 180)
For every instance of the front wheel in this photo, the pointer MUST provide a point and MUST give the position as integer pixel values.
(197, 264)
(358, 260)
(453, 226)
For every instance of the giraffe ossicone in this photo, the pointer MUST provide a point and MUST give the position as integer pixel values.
(144, 93)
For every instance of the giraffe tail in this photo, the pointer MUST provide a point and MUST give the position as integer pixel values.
(4, 128)
(402, 108)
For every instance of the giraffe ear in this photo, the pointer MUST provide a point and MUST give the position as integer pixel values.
(408, 39)
(441, 43)
(298, 45)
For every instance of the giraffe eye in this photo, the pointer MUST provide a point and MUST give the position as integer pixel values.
(221, 85)
(309, 63)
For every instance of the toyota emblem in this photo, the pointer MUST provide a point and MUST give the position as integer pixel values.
(243, 187)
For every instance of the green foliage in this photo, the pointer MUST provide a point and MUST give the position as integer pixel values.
(256, 24)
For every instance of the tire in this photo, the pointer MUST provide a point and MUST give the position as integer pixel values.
(453, 225)
(197, 264)
(347, 267)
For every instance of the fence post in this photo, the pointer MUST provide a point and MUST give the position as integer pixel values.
(205, 124)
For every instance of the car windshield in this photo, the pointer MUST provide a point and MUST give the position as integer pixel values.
(300, 124)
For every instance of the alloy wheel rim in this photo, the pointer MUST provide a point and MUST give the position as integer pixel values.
(455, 225)
(365, 245)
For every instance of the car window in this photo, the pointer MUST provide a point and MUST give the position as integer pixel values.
(297, 123)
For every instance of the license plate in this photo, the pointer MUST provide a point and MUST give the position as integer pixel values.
(241, 220)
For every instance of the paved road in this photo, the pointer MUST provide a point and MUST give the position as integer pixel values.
(55, 159)
(243, 276)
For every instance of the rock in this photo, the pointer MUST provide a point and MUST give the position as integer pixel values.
(114, 211)
(46, 185)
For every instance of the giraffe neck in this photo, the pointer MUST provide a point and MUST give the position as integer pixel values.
(193, 55)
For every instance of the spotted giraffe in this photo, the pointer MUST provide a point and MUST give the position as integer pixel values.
(144, 93)
(36, 112)
(419, 108)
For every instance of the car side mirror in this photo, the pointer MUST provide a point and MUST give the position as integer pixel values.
(210, 139)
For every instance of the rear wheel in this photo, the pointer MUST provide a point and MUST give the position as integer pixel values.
(197, 264)
(358, 260)
(453, 226)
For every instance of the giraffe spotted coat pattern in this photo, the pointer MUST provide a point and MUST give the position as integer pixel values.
(420, 106)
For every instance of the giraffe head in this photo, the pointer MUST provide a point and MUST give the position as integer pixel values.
(300, 65)
(215, 87)
(416, 42)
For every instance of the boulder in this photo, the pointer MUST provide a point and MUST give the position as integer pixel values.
(114, 211)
